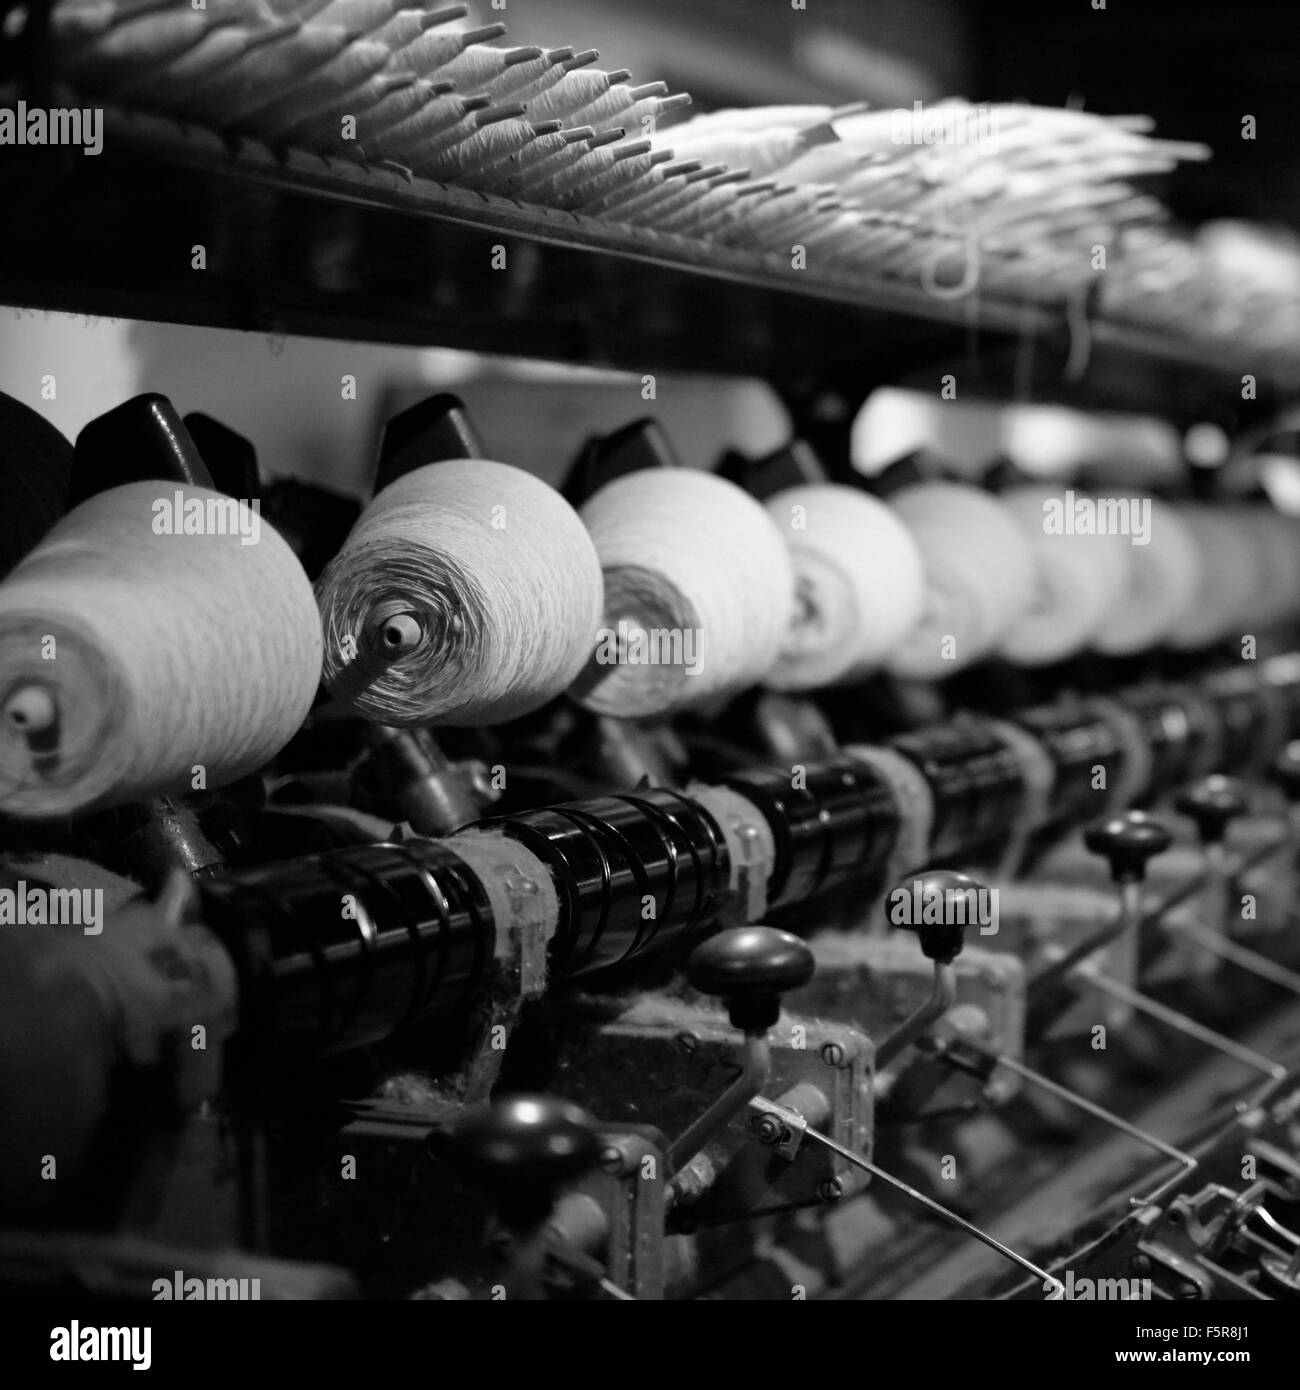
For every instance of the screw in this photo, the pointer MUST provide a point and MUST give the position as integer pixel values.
(768, 1129)
(611, 1160)
(1188, 1290)
(1140, 1264)
(833, 1054)
(687, 1043)
(831, 1190)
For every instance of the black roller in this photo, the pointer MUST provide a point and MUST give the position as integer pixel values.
(1281, 676)
(1177, 727)
(1244, 707)
(634, 873)
(840, 822)
(1077, 737)
(640, 872)
(337, 950)
(976, 780)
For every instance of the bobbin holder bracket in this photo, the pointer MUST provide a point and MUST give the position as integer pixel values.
(792, 464)
(142, 439)
(434, 430)
(637, 446)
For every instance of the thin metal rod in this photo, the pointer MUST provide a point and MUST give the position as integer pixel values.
(1275, 1225)
(756, 1056)
(1098, 1112)
(937, 1208)
(1241, 956)
(1143, 1004)
(614, 1291)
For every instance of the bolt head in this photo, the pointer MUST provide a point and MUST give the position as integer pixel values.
(768, 1129)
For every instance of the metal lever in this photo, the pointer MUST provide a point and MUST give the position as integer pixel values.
(794, 1123)
(917, 1024)
(1045, 1006)
(955, 897)
(1127, 843)
(1213, 804)
(750, 968)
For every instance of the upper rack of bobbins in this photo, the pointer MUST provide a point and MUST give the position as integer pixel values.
(366, 168)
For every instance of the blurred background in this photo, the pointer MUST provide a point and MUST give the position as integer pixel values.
(1199, 68)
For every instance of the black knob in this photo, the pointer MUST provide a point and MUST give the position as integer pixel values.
(938, 906)
(1212, 803)
(749, 968)
(1127, 841)
(524, 1149)
(1285, 771)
